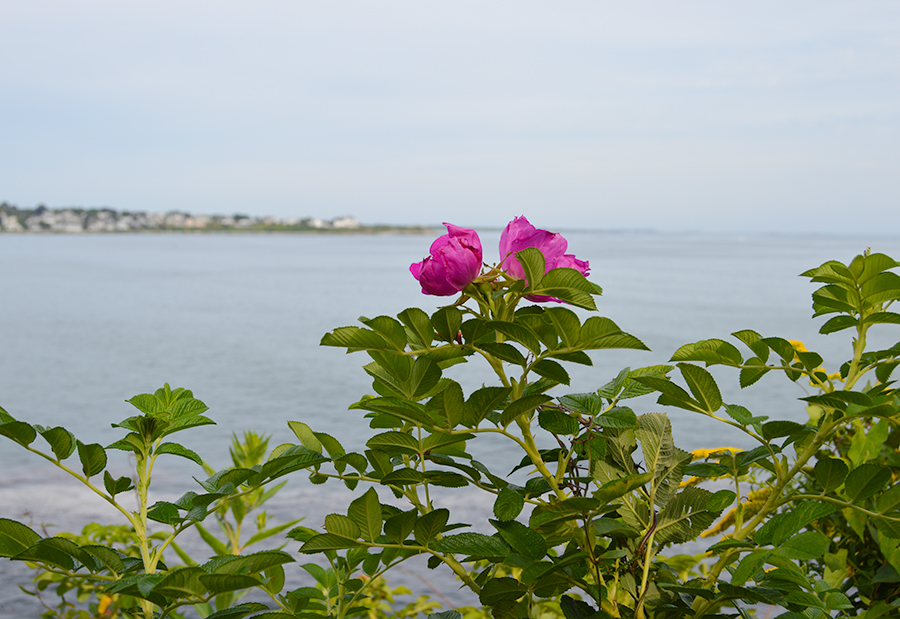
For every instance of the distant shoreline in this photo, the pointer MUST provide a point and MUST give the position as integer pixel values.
(43, 220)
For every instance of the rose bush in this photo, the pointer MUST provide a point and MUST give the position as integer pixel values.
(810, 515)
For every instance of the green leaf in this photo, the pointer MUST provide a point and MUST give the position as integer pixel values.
(46, 551)
(293, 458)
(749, 566)
(755, 370)
(181, 582)
(366, 513)
(419, 323)
(115, 486)
(523, 540)
(830, 473)
(712, 352)
(754, 342)
(332, 446)
(802, 598)
(781, 346)
(19, 431)
(805, 546)
(305, 435)
(865, 267)
(533, 264)
(399, 526)
(833, 298)
(588, 404)
(450, 405)
(720, 500)
(838, 323)
(601, 333)
(423, 378)
(524, 405)
(484, 401)
(391, 369)
(249, 563)
(552, 370)
(564, 510)
(499, 590)
(590, 446)
(576, 609)
(403, 477)
(703, 386)
(839, 399)
(888, 528)
(685, 516)
(341, 526)
(446, 614)
(865, 480)
(867, 444)
(427, 527)
(705, 469)
(617, 417)
(93, 458)
(177, 450)
(396, 407)
(889, 500)
(566, 324)
(353, 338)
(61, 441)
(517, 332)
(672, 394)
(222, 583)
(830, 272)
(439, 440)
(617, 488)
(508, 504)
(739, 414)
(391, 330)
(238, 612)
(728, 544)
(15, 537)
(654, 431)
(164, 512)
(400, 442)
(504, 351)
(447, 322)
(777, 429)
(557, 422)
(475, 545)
(784, 525)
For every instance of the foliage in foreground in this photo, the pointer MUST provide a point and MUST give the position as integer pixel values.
(808, 521)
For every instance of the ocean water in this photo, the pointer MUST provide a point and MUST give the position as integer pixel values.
(87, 321)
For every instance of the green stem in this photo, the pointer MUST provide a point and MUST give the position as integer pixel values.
(533, 452)
(84, 480)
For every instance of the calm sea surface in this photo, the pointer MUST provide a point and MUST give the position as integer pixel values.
(88, 321)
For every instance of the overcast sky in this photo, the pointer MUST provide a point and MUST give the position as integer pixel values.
(720, 116)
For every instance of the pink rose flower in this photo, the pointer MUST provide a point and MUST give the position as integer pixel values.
(455, 261)
(520, 234)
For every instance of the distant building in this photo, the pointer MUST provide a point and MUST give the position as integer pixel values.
(345, 222)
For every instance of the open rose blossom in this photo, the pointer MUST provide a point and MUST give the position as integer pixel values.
(520, 234)
(454, 262)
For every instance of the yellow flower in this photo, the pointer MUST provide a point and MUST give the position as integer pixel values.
(105, 601)
(798, 346)
(705, 453)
